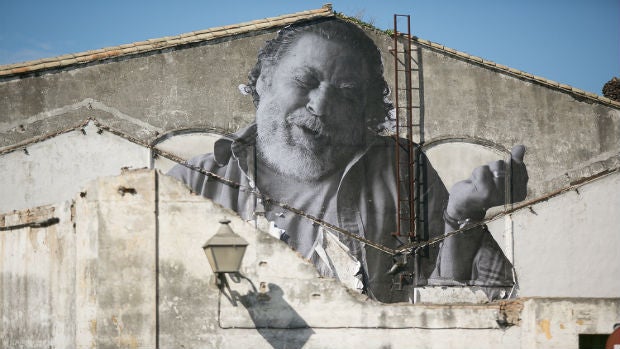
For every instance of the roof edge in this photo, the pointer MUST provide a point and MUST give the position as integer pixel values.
(161, 43)
(518, 73)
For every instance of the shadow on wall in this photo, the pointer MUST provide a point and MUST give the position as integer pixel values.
(272, 315)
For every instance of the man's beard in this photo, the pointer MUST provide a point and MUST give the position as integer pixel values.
(304, 147)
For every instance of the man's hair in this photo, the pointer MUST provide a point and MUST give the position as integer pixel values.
(378, 105)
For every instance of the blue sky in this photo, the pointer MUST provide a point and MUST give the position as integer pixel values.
(576, 42)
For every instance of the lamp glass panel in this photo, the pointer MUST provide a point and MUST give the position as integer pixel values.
(226, 259)
(211, 258)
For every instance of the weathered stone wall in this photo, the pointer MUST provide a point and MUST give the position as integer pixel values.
(116, 236)
(562, 132)
(144, 95)
(37, 279)
(124, 268)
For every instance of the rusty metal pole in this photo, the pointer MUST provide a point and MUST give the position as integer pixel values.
(396, 136)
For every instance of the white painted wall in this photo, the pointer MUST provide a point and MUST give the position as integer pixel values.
(569, 246)
(57, 168)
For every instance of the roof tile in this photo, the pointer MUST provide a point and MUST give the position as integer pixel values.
(63, 57)
(277, 22)
(205, 36)
(68, 61)
(234, 31)
(462, 54)
(146, 47)
(129, 50)
(140, 43)
(592, 95)
(20, 70)
(263, 25)
(277, 18)
(173, 42)
(53, 64)
(47, 59)
(83, 58)
(527, 75)
(37, 66)
(436, 45)
(186, 35)
(550, 82)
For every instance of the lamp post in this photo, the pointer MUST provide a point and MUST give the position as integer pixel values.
(225, 251)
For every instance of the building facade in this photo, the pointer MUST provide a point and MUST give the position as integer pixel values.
(90, 260)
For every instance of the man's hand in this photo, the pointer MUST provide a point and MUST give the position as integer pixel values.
(487, 187)
(470, 199)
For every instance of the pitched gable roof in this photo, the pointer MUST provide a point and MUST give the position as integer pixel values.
(272, 22)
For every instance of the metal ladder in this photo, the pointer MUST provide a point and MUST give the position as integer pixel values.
(410, 164)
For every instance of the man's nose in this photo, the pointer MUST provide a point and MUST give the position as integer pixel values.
(319, 100)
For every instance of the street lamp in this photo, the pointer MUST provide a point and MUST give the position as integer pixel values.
(225, 251)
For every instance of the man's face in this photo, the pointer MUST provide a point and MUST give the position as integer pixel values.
(311, 117)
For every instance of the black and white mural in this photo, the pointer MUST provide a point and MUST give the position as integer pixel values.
(318, 148)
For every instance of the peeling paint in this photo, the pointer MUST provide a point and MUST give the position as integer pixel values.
(545, 327)
(93, 327)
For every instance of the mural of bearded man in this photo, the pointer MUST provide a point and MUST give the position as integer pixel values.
(316, 145)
